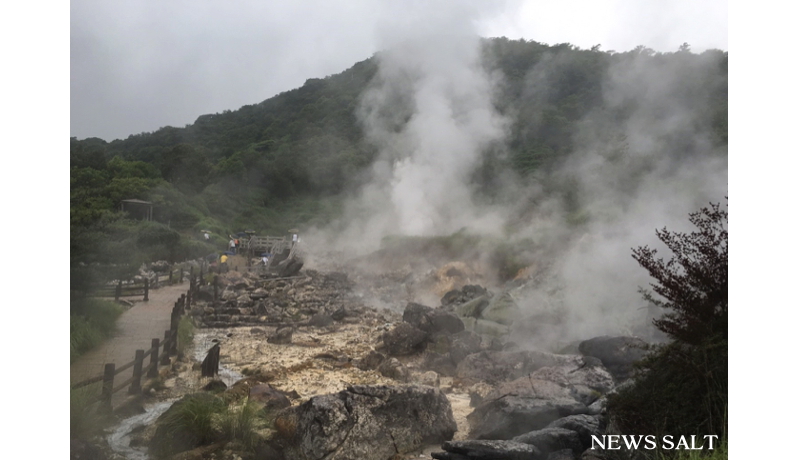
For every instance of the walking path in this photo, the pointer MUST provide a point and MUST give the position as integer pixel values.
(135, 330)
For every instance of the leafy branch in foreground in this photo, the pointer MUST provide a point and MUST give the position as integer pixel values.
(694, 282)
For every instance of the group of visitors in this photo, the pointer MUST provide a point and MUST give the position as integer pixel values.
(234, 247)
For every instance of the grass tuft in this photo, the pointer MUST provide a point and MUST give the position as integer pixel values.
(91, 322)
(84, 420)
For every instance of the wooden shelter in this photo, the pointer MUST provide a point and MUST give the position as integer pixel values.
(137, 209)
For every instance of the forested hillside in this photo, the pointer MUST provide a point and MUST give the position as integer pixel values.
(294, 159)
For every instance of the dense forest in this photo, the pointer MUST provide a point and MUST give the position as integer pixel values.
(293, 159)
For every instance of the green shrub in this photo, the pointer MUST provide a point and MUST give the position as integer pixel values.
(189, 423)
(91, 321)
(84, 421)
(185, 333)
(682, 388)
(202, 419)
(679, 390)
(241, 423)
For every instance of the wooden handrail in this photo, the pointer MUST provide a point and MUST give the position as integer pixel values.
(169, 345)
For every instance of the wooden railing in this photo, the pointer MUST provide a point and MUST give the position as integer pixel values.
(159, 353)
(133, 288)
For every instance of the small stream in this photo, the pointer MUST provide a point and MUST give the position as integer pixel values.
(119, 440)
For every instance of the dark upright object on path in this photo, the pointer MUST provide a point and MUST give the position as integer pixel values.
(210, 366)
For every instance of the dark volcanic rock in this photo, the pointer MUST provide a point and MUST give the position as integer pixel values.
(617, 353)
(467, 293)
(281, 336)
(215, 386)
(510, 416)
(394, 369)
(563, 454)
(487, 450)
(404, 339)
(549, 440)
(371, 361)
(584, 425)
(366, 422)
(272, 399)
(320, 320)
(464, 344)
(497, 366)
(289, 267)
(171, 435)
(432, 320)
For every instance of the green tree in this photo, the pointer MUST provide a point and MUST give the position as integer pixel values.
(681, 388)
(694, 282)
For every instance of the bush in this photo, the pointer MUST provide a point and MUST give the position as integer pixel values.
(185, 333)
(202, 419)
(91, 321)
(84, 421)
(681, 388)
(241, 423)
(189, 423)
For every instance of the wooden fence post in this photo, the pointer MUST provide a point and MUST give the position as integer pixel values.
(170, 275)
(118, 291)
(108, 385)
(173, 345)
(173, 319)
(153, 372)
(146, 289)
(191, 272)
(165, 356)
(180, 281)
(136, 384)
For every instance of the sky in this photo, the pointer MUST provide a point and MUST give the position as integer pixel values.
(139, 66)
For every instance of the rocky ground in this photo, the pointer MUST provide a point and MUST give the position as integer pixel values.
(359, 369)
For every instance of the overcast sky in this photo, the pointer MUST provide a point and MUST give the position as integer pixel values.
(138, 66)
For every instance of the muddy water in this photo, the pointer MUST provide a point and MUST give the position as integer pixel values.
(120, 438)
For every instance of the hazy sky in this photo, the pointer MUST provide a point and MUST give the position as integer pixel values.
(138, 66)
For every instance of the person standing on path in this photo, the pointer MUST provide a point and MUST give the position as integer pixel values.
(232, 245)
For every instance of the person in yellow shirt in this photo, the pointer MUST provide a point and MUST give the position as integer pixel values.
(223, 266)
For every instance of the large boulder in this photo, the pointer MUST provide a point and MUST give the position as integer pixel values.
(464, 344)
(502, 309)
(510, 416)
(498, 366)
(394, 369)
(486, 327)
(584, 425)
(290, 267)
(176, 428)
(371, 361)
(463, 295)
(473, 308)
(270, 398)
(432, 320)
(554, 439)
(529, 386)
(487, 450)
(374, 422)
(618, 354)
(404, 339)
